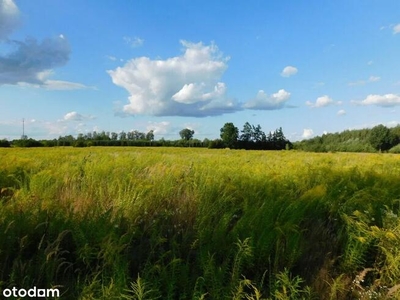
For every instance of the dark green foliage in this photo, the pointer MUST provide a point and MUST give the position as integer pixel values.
(216, 144)
(379, 138)
(229, 135)
(27, 143)
(4, 143)
(253, 138)
(186, 134)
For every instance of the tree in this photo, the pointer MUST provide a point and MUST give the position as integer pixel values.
(247, 133)
(150, 136)
(186, 134)
(4, 143)
(258, 135)
(122, 136)
(379, 137)
(114, 136)
(279, 139)
(229, 135)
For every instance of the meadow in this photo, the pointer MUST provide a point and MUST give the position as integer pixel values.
(194, 223)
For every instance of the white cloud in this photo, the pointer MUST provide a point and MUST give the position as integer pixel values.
(263, 101)
(9, 18)
(289, 71)
(133, 42)
(357, 83)
(396, 29)
(63, 85)
(73, 116)
(307, 133)
(159, 128)
(387, 100)
(392, 123)
(364, 82)
(58, 85)
(193, 92)
(185, 85)
(341, 112)
(322, 102)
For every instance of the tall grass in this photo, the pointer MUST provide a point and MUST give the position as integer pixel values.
(146, 223)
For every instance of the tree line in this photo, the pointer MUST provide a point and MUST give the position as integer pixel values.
(250, 137)
(377, 139)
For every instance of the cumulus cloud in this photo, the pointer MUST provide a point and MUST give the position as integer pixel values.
(387, 100)
(9, 18)
(307, 133)
(73, 116)
(341, 112)
(322, 102)
(185, 85)
(396, 29)
(264, 101)
(289, 71)
(163, 127)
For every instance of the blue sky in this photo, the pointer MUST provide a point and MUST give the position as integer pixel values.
(70, 67)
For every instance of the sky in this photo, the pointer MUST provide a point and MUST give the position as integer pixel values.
(310, 67)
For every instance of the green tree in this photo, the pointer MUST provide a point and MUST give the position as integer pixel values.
(150, 136)
(258, 135)
(4, 143)
(229, 135)
(379, 138)
(246, 133)
(114, 136)
(186, 134)
(122, 136)
(279, 139)
(395, 136)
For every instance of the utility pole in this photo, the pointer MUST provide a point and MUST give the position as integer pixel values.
(23, 137)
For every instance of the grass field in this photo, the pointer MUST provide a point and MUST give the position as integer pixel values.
(179, 223)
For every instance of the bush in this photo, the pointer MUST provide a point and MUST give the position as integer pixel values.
(4, 143)
(395, 149)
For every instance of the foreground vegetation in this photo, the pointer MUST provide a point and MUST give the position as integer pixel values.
(169, 223)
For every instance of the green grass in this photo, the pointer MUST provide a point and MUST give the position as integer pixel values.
(157, 223)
